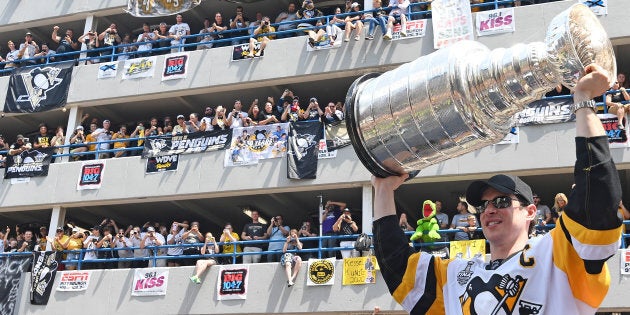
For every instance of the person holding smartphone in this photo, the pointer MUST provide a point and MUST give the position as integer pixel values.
(209, 247)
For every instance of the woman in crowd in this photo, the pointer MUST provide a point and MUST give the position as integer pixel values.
(291, 261)
(90, 39)
(220, 119)
(614, 100)
(559, 202)
(78, 138)
(58, 140)
(229, 236)
(210, 247)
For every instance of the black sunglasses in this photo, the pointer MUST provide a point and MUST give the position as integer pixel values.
(500, 202)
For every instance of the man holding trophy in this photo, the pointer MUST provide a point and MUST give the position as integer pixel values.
(460, 99)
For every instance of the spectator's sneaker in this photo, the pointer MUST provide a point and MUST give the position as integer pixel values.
(346, 39)
(257, 54)
(311, 42)
(290, 283)
(195, 280)
(621, 127)
(403, 33)
(357, 37)
(369, 37)
(387, 36)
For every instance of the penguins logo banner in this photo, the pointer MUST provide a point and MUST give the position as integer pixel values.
(38, 89)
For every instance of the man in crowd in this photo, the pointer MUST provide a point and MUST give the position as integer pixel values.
(103, 134)
(253, 231)
(110, 38)
(150, 239)
(29, 242)
(287, 16)
(66, 44)
(261, 35)
(146, 37)
(543, 213)
(45, 52)
(547, 274)
(239, 22)
(28, 49)
(43, 139)
(332, 212)
(278, 232)
(177, 32)
(19, 146)
(237, 117)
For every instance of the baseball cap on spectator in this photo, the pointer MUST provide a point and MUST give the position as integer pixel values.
(42, 228)
(507, 184)
(346, 210)
(106, 121)
(180, 117)
(28, 34)
(96, 227)
(150, 229)
(296, 98)
(79, 127)
(19, 137)
(313, 100)
(75, 229)
(354, 4)
(59, 228)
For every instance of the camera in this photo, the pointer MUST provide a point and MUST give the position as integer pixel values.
(265, 23)
(304, 227)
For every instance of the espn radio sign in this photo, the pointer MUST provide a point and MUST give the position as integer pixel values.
(74, 281)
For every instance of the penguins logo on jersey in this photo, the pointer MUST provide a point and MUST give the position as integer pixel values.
(499, 295)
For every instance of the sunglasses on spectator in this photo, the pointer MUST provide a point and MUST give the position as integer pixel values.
(500, 202)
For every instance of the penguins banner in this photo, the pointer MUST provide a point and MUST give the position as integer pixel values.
(38, 89)
(303, 146)
(42, 276)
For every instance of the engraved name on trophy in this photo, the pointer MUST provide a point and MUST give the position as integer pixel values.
(463, 97)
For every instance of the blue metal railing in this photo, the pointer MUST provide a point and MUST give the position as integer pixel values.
(320, 250)
(111, 53)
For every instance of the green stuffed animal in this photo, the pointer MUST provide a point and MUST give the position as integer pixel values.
(427, 225)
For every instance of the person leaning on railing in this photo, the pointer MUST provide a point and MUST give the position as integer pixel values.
(615, 99)
(73, 244)
(261, 35)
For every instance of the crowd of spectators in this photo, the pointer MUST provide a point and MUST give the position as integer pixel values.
(110, 44)
(178, 244)
(113, 140)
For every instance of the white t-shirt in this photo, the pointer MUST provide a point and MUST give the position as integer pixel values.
(90, 244)
(180, 29)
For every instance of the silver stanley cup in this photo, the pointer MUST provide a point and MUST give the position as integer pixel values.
(464, 97)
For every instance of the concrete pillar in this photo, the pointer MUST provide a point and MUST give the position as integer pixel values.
(367, 213)
(90, 24)
(57, 218)
(74, 119)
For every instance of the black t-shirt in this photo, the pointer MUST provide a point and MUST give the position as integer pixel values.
(346, 228)
(255, 229)
(30, 247)
(42, 139)
(258, 118)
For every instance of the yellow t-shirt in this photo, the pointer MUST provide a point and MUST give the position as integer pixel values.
(229, 248)
(75, 243)
(90, 138)
(122, 144)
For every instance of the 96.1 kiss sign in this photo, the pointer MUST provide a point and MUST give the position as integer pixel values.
(149, 281)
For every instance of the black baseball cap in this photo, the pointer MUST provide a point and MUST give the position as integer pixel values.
(508, 184)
